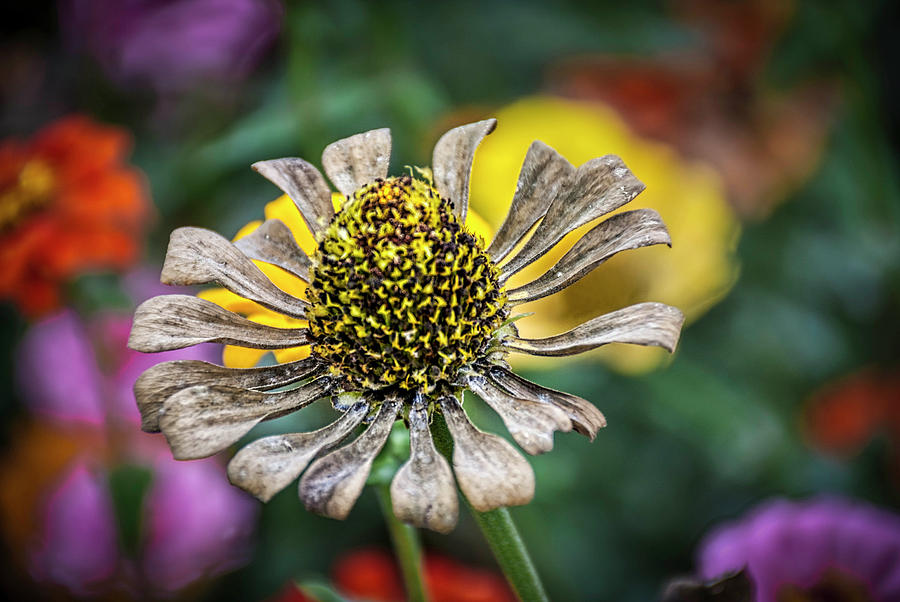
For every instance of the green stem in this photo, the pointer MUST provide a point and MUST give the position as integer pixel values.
(501, 533)
(406, 547)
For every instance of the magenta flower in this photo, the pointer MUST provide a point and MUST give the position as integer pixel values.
(824, 549)
(193, 523)
(173, 46)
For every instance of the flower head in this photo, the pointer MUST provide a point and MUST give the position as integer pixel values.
(826, 549)
(68, 203)
(406, 308)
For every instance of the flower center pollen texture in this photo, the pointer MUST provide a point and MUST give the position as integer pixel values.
(402, 295)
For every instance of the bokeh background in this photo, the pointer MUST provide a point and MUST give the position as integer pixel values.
(766, 132)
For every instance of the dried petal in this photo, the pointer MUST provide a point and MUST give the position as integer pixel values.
(333, 483)
(201, 421)
(585, 417)
(268, 465)
(163, 380)
(600, 186)
(654, 324)
(544, 175)
(531, 423)
(302, 182)
(200, 256)
(353, 162)
(621, 232)
(490, 472)
(274, 243)
(176, 321)
(423, 492)
(452, 162)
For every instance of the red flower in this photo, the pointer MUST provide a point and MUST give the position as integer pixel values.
(373, 575)
(844, 416)
(68, 203)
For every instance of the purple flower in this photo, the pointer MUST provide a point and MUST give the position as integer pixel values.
(77, 547)
(821, 549)
(196, 526)
(173, 46)
(79, 374)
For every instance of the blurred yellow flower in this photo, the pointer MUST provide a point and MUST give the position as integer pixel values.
(694, 275)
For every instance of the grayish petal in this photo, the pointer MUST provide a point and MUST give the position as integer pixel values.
(353, 162)
(585, 416)
(274, 243)
(451, 162)
(423, 492)
(531, 423)
(203, 420)
(176, 321)
(200, 256)
(653, 324)
(544, 175)
(163, 380)
(333, 483)
(268, 465)
(600, 186)
(621, 232)
(490, 472)
(301, 181)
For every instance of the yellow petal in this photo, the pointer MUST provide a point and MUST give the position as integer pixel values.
(241, 357)
(479, 226)
(283, 208)
(247, 229)
(230, 301)
(291, 355)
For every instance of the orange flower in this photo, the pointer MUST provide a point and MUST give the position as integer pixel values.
(68, 203)
(844, 416)
(372, 575)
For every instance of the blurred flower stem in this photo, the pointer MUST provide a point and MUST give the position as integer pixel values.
(406, 547)
(500, 532)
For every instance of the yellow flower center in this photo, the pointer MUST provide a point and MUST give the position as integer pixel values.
(31, 191)
(402, 294)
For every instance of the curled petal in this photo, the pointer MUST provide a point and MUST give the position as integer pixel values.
(544, 175)
(599, 186)
(160, 382)
(200, 256)
(353, 162)
(621, 232)
(654, 324)
(423, 492)
(274, 243)
(301, 181)
(531, 423)
(585, 416)
(268, 465)
(452, 162)
(201, 421)
(489, 470)
(333, 483)
(177, 321)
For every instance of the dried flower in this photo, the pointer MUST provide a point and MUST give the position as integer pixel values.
(825, 549)
(68, 203)
(405, 309)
